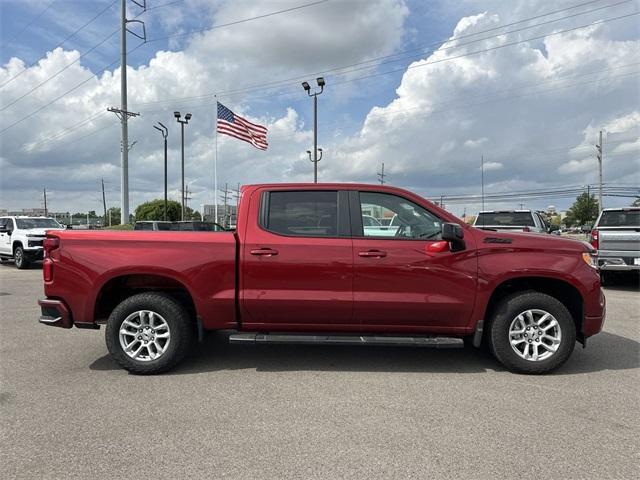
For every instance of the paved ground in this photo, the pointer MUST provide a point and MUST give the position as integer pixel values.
(67, 411)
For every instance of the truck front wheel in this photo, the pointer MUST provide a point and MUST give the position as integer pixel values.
(149, 333)
(19, 258)
(532, 332)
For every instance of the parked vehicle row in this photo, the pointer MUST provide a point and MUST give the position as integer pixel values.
(178, 226)
(303, 266)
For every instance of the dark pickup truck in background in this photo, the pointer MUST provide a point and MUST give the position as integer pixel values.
(301, 267)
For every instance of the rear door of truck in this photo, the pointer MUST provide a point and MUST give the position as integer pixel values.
(297, 260)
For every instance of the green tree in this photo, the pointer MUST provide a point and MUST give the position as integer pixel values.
(154, 210)
(583, 211)
(636, 202)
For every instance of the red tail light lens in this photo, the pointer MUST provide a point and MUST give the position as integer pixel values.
(50, 244)
(47, 270)
(595, 242)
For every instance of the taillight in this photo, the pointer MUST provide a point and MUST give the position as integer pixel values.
(595, 242)
(526, 229)
(50, 244)
(47, 270)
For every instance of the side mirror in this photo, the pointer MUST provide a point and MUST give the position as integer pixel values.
(453, 233)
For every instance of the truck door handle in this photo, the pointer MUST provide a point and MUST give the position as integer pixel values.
(267, 252)
(373, 253)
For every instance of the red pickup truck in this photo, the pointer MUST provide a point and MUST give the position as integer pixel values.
(304, 266)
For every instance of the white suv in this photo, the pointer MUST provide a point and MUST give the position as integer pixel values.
(21, 238)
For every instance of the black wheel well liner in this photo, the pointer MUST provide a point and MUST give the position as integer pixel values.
(559, 289)
(119, 288)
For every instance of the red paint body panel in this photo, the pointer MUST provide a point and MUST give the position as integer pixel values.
(204, 262)
(322, 284)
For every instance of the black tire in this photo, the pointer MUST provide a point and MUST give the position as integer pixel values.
(181, 328)
(512, 306)
(19, 258)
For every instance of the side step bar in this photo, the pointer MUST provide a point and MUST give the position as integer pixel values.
(433, 342)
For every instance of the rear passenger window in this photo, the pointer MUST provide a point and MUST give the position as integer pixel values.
(307, 214)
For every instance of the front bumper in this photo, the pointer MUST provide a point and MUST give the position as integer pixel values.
(55, 313)
(34, 253)
(593, 324)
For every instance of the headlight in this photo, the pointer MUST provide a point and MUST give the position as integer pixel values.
(590, 259)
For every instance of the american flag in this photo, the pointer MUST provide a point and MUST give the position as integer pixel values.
(235, 126)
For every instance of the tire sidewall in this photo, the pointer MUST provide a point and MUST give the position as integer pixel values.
(19, 258)
(175, 316)
(508, 310)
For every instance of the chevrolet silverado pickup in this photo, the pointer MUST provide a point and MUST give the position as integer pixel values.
(301, 267)
(616, 236)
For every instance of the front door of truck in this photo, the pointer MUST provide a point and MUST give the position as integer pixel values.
(6, 225)
(297, 263)
(403, 280)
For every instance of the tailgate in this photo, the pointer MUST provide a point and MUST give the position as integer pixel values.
(627, 240)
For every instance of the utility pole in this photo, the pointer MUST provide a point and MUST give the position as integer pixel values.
(522, 206)
(599, 155)
(482, 182)
(104, 204)
(441, 201)
(45, 203)
(225, 200)
(122, 113)
(381, 175)
(315, 160)
(187, 197)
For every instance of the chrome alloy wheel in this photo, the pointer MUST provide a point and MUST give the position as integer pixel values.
(144, 335)
(535, 335)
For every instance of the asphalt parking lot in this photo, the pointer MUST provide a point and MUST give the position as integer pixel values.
(238, 411)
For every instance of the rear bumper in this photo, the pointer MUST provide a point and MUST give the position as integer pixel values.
(618, 260)
(55, 313)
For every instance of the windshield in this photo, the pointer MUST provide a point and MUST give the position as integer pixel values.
(620, 218)
(27, 223)
(508, 219)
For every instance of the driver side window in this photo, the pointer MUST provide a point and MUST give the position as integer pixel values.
(396, 217)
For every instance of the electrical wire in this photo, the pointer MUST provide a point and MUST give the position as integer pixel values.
(82, 27)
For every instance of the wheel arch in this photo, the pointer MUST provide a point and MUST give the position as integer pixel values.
(122, 286)
(559, 289)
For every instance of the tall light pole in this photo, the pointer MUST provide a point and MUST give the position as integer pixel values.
(182, 123)
(307, 89)
(165, 132)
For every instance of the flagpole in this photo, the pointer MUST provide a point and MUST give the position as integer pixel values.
(215, 168)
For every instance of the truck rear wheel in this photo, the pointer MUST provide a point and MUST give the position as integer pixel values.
(149, 333)
(532, 333)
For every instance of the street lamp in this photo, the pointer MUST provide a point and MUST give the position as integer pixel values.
(307, 88)
(165, 132)
(182, 123)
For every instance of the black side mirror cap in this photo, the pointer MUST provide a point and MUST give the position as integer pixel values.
(454, 234)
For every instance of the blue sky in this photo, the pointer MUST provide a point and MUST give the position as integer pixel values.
(429, 125)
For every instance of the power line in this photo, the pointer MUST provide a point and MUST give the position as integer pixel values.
(82, 27)
(33, 20)
(376, 74)
(236, 22)
(283, 82)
